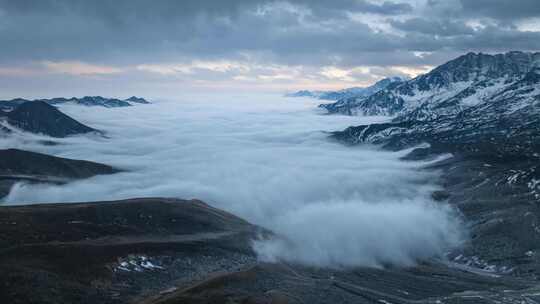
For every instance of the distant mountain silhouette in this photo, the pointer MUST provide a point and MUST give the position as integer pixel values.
(349, 92)
(89, 101)
(42, 118)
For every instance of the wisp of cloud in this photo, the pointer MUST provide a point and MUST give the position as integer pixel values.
(266, 159)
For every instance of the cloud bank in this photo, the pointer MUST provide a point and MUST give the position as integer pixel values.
(266, 159)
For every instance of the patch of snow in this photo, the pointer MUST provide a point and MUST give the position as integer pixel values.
(512, 179)
(476, 265)
(137, 263)
(534, 186)
(484, 94)
(168, 290)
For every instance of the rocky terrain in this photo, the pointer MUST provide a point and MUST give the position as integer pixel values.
(8, 105)
(30, 167)
(41, 118)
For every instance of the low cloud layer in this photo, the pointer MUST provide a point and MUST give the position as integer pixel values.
(266, 159)
(362, 233)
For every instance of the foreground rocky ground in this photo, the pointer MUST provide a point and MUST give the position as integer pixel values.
(114, 252)
(173, 251)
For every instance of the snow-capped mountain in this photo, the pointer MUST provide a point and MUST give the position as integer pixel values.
(485, 111)
(476, 97)
(510, 118)
(8, 105)
(464, 82)
(349, 92)
(487, 106)
(477, 103)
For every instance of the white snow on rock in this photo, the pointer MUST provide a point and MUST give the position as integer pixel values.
(137, 263)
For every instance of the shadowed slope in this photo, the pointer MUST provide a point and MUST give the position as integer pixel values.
(18, 165)
(40, 117)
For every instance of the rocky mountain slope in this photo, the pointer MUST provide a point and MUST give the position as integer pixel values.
(8, 105)
(41, 118)
(349, 92)
(30, 167)
(491, 127)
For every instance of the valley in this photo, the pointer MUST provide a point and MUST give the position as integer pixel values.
(425, 191)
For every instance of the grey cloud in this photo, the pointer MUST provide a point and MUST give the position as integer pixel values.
(314, 33)
(441, 27)
(387, 7)
(329, 8)
(129, 33)
(502, 9)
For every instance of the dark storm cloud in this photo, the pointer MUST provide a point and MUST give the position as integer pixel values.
(502, 9)
(439, 27)
(130, 30)
(300, 32)
(329, 8)
(91, 29)
(123, 10)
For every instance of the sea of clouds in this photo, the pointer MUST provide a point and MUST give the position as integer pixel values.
(267, 159)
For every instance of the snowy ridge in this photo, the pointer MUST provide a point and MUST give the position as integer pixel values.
(498, 115)
(462, 83)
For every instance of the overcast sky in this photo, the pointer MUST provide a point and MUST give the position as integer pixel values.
(158, 48)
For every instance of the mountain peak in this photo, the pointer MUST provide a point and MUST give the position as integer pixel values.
(85, 101)
(477, 66)
(137, 100)
(466, 81)
(40, 117)
(383, 83)
(349, 92)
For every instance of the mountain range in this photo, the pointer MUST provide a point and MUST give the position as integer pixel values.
(8, 105)
(476, 97)
(465, 82)
(483, 111)
(349, 92)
